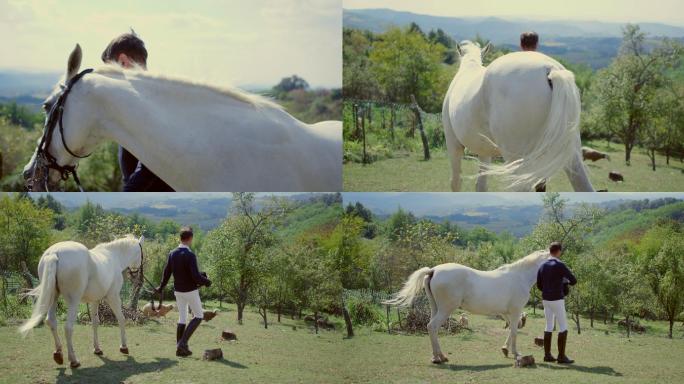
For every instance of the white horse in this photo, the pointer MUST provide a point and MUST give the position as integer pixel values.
(195, 137)
(525, 107)
(503, 291)
(82, 275)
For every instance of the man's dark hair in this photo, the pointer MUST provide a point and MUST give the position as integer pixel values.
(529, 40)
(186, 233)
(130, 45)
(555, 246)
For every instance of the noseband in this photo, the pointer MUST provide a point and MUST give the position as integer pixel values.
(54, 120)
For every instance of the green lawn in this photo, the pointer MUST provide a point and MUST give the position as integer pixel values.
(285, 354)
(411, 173)
(279, 354)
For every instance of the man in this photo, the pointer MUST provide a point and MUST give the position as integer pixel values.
(552, 279)
(129, 51)
(187, 279)
(529, 41)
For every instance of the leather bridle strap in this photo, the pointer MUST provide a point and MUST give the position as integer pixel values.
(161, 293)
(55, 118)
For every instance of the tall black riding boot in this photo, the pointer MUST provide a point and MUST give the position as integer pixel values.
(547, 347)
(182, 346)
(562, 357)
(180, 329)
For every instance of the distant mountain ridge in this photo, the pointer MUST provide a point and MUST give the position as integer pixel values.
(499, 30)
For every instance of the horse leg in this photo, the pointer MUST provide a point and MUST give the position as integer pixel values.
(95, 318)
(433, 328)
(578, 176)
(455, 151)
(513, 319)
(52, 323)
(69, 331)
(481, 185)
(114, 302)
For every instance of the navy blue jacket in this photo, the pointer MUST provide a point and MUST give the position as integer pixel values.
(182, 263)
(551, 277)
(137, 177)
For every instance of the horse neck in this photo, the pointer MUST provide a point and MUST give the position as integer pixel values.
(470, 62)
(116, 257)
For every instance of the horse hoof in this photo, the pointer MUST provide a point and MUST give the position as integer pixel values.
(57, 356)
(505, 351)
(436, 360)
(124, 350)
(74, 364)
(98, 352)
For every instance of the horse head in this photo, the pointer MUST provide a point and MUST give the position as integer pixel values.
(136, 262)
(472, 50)
(56, 156)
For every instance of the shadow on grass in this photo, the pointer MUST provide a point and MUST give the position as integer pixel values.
(232, 364)
(113, 371)
(475, 368)
(599, 370)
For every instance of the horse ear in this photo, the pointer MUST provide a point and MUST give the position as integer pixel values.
(142, 239)
(74, 63)
(486, 49)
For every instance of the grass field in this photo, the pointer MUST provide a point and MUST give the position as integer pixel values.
(285, 354)
(411, 173)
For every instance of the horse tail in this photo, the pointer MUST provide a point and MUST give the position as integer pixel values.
(411, 288)
(46, 292)
(559, 141)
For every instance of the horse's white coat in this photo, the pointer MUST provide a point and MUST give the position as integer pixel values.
(503, 291)
(198, 137)
(82, 275)
(508, 109)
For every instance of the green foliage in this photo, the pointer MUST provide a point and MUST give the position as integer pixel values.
(25, 232)
(363, 311)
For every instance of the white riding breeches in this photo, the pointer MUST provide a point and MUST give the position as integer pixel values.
(555, 310)
(188, 299)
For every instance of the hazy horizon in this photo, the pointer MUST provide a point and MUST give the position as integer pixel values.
(239, 43)
(612, 11)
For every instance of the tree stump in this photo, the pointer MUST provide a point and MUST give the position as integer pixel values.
(208, 315)
(539, 341)
(227, 334)
(212, 354)
(524, 361)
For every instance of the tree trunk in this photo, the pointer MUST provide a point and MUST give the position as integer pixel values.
(653, 160)
(279, 311)
(628, 325)
(671, 324)
(240, 309)
(628, 153)
(363, 132)
(348, 322)
(264, 315)
(316, 321)
(135, 292)
(419, 120)
(591, 318)
(577, 320)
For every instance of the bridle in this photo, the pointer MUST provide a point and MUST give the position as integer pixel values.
(54, 119)
(140, 271)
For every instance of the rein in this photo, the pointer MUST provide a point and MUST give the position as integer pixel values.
(54, 120)
(161, 293)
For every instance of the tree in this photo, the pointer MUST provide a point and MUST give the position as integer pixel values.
(238, 247)
(626, 90)
(404, 64)
(662, 266)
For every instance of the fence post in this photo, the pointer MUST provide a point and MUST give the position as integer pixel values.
(363, 132)
(416, 110)
(356, 120)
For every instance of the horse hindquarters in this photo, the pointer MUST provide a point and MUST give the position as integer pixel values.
(46, 292)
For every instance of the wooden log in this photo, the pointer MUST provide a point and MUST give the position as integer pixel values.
(524, 361)
(228, 334)
(212, 354)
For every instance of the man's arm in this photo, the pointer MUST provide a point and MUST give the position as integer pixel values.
(167, 274)
(539, 279)
(194, 271)
(568, 275)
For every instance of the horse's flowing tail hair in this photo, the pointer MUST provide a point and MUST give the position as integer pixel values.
(46, 292)
(559, 141)
(411, 288)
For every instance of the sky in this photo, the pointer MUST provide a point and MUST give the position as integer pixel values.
(664, 11)
(233, 42)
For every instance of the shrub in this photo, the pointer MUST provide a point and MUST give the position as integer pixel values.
(363, 311)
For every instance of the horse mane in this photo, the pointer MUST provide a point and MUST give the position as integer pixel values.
(120, 245)
(232, 92)
(527, 261)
